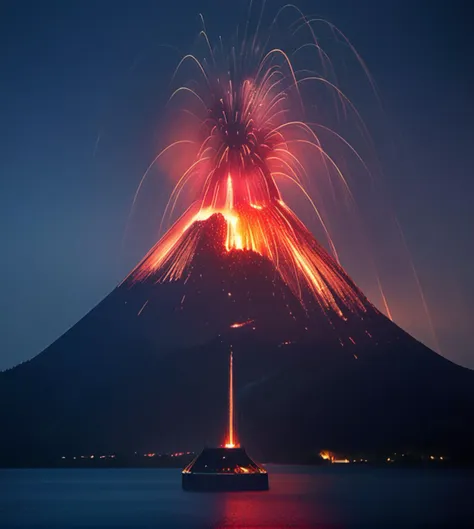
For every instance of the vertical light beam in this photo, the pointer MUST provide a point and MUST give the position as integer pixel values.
(230, 438)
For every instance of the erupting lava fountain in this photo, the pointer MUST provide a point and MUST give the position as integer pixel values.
(247, 140)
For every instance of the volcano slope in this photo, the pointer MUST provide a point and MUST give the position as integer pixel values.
(146, 370)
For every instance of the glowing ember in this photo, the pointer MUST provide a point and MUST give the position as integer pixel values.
(238, 325)
(326, 455)
(248, 142)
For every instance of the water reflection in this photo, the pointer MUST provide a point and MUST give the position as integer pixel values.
(336, 497)
(292, 501)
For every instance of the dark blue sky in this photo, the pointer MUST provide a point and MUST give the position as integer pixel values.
(83, 86)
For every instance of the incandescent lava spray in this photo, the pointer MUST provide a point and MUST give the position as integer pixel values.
(249, 130)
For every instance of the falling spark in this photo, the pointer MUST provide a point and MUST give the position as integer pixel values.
(141, 310)
(238, 325)
(420, 289)
(384, 299)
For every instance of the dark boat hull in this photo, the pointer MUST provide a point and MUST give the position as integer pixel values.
(224, 482)
(224, 469)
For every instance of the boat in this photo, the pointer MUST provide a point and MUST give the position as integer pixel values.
(224, 469)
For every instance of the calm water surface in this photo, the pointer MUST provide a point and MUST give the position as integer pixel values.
(303, 497)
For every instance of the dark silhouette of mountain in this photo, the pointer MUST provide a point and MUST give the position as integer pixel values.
(146, 370)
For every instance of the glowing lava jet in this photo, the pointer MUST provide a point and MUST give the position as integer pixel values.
(247, 143)
(231, 441)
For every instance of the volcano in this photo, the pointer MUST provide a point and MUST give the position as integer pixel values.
(316, 364)
(146, 369)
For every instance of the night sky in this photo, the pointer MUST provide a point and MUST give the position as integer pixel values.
(83, 86)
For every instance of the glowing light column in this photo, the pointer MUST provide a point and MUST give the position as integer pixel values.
(230, 437)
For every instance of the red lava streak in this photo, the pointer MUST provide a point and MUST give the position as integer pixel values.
(238, 325)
